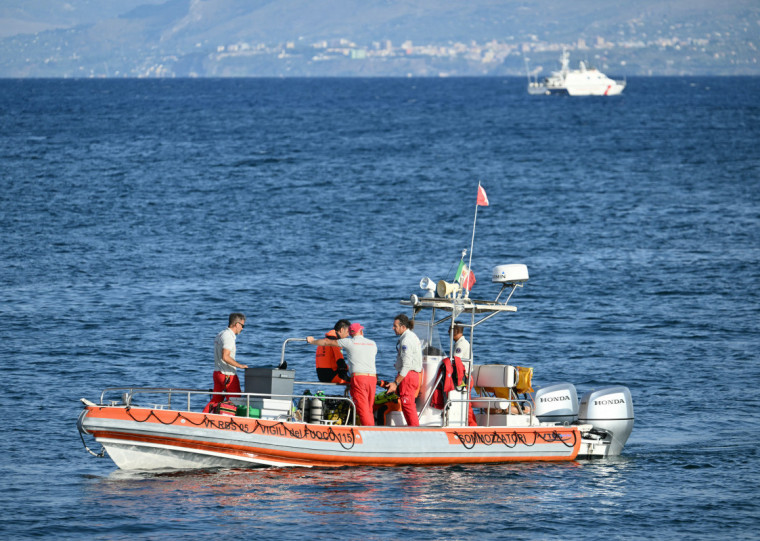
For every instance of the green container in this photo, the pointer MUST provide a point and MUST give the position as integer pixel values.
(245, 411)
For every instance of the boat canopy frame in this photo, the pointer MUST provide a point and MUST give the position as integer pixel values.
(463, 305)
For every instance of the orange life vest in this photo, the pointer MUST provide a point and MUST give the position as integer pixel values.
(328, 357)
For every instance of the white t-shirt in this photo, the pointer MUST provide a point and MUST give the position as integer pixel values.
(224, 340)
(360, 354)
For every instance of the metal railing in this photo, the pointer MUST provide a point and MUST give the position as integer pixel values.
(522, 404)
(179, 399)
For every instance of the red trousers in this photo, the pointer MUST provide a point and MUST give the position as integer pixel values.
(471, 421)
(222, 383)
(363, 395)
(407, 393)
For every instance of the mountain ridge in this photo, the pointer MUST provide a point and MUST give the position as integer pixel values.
(177, 38)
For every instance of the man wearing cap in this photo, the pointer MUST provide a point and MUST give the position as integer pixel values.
(360, 356)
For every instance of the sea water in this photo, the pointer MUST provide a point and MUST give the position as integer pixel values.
(137, 214)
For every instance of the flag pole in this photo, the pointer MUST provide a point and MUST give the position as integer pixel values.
(472, 243)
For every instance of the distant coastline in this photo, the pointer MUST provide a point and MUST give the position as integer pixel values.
(170, 39)
(344, 58)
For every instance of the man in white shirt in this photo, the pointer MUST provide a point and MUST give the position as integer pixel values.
(360, 357)
(409, 367)
(225, 365)
(461, 345)
(462, 350)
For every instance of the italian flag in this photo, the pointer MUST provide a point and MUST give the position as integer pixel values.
(465, 276)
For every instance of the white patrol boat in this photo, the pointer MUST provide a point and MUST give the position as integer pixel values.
(273, 423)
(583, 81)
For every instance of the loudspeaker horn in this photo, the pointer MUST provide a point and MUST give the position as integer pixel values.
(445, 289)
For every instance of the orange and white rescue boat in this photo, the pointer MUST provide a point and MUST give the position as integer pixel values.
(275, 424)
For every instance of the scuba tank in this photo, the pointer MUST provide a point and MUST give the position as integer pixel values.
(304, 405)
(316, 408)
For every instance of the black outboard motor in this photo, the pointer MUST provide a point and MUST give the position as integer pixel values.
(610, 411)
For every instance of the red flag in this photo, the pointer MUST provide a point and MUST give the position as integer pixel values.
(482, 197)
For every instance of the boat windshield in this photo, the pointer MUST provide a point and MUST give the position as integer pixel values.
(429, 337)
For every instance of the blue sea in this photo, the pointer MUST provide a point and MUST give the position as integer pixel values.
(135, 215)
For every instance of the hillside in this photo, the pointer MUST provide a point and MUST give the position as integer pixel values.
(180, 38)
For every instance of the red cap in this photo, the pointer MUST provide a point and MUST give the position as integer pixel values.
(355, 328)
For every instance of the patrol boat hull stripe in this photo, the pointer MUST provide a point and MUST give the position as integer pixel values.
(143, 438)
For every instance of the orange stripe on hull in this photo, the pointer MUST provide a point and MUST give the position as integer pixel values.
(227, 423)
(471, 438)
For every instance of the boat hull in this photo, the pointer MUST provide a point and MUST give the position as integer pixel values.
(607, 89)
(614, 89)
(149, 439)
